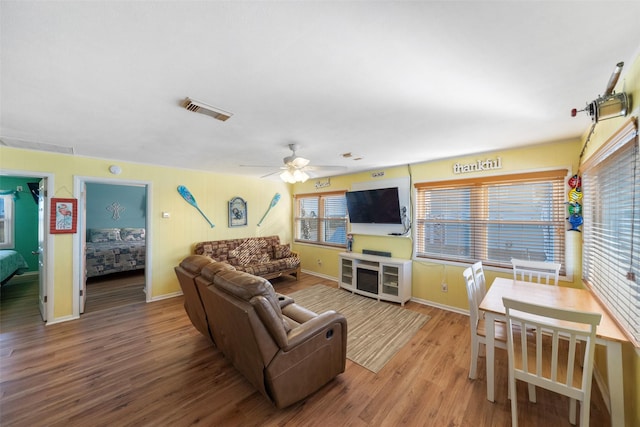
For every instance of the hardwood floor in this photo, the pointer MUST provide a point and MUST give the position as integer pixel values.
(145, 365)
(115, 290)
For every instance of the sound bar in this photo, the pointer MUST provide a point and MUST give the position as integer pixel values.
(378, 253)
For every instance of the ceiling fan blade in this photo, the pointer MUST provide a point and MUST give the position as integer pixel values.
(327, 168)
(270, 174)
(259, 166)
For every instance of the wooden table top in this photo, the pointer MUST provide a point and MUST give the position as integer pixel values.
(550, 296)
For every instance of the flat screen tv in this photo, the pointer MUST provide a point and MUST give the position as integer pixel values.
(379, 206)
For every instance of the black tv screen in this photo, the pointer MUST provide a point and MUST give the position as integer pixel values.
(379, 206)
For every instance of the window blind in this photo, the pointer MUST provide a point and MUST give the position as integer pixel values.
(493, 220)
(611, 231)
(322, 218)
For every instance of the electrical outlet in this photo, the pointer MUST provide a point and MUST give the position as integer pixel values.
(319, 261)
(445, 287)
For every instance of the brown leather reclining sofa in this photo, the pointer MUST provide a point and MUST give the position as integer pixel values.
(286, 351)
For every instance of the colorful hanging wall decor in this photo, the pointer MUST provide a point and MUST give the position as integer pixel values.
(574, 204)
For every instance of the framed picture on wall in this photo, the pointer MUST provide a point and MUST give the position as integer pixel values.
(64, 216)
(237, 212)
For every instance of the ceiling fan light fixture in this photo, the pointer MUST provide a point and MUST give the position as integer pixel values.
(300, 176)
(287, 176)
(293, 177)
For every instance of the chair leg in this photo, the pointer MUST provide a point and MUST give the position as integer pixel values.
(514, 401)
(585, 407)
(532, 393)
(572, 413)
(473, 367)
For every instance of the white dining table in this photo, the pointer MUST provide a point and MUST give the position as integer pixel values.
(608, 333)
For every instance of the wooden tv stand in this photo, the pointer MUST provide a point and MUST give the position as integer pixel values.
(378, 277)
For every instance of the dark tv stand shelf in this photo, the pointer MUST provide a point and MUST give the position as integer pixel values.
(382, 278)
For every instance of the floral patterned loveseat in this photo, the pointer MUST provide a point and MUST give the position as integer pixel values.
(261, 256)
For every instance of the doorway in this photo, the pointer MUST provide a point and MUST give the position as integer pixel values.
(37, 250)
(113, 242)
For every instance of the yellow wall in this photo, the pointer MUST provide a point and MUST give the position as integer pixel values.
(172, 239)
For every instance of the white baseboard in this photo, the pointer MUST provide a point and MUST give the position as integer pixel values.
(165, 296)
(61, 320)
(322, 276)
(440, 306)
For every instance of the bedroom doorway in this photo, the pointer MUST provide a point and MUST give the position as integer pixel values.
(32, 238)
(113, 243)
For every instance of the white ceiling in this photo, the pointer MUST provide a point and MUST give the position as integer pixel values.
(394, 82)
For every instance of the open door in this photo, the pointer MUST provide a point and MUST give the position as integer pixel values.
(83, 246)
(42, 247)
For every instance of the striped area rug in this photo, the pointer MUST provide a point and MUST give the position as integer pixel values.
(376, 330)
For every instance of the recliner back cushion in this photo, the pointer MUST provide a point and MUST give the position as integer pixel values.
(246, 286)
(194, 263)
(210, 271)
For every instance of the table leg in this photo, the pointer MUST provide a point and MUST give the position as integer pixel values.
(490, 354)
(616, 386)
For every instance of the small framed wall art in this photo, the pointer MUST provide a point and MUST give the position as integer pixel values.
(237, 212)
(63, 216)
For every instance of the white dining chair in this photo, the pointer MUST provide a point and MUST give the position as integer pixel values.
(551, 359)
(536, 271)
(477, 323)
(481, 281)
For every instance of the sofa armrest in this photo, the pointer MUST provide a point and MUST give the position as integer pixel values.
(284, 300)
(320, 324)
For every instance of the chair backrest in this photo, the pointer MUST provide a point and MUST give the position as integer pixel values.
(190, 268)
(550, 360)
(472, 294)
(536, 271)
(481, 282)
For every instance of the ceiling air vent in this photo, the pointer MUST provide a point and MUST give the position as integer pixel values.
(202, 108)
(32, 145)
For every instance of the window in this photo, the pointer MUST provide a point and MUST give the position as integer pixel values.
(493, 219)
(6, 221)
(611, 230)
(321, 218)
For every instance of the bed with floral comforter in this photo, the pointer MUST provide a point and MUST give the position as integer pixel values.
(114, 250)
(11, 263)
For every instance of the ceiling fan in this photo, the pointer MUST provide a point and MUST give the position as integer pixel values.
(296, 168)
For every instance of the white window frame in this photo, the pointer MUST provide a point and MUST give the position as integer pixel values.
(321, 222)
(8, 223)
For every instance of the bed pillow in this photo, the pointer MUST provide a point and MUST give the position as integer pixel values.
(101, 235)
(132, 234)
